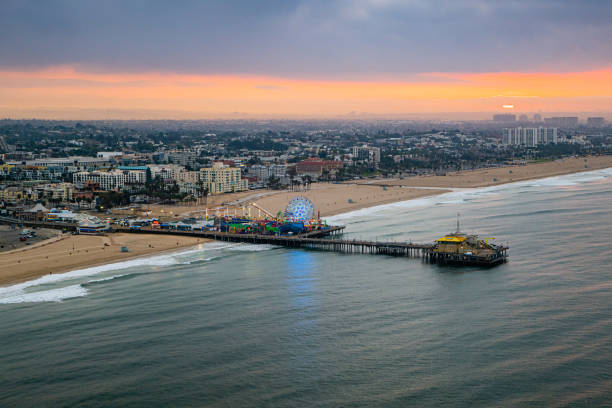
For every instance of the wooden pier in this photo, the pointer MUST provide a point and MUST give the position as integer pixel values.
(323, 240)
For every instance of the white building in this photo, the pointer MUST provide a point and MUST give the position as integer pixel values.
(111, 180)
(108, 155)
(263, 173)
(530, 137)
(167, 171)
(73, 161)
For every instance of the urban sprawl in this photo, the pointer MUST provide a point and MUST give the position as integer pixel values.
(99, 165)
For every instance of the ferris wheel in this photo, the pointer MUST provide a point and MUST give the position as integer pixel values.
(300, 209)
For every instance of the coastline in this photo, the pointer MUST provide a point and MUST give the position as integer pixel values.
(74, 252)
(488, 177)
(55, 257)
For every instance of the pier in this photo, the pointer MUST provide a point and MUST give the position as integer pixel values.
(315, 240)
(328, 239)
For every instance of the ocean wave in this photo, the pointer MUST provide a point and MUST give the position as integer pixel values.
(107, 279)
(462, 195)
(49, 295)
(369, 211)
(19, 293)
(252, 247)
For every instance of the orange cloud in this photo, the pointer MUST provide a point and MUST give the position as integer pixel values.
(65, 89)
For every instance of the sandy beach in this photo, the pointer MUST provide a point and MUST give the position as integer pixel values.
(332, 199)
(57, 254)
(70, 252)
(502, 175)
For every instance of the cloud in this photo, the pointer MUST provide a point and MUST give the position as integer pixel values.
(334, 39)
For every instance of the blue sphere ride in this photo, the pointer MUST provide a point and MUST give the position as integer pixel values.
(300, 209)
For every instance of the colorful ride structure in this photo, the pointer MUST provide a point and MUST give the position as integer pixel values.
(298, 217)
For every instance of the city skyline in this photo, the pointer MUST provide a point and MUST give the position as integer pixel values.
(364, 58)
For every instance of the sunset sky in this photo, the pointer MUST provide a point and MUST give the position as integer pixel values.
(295, 58)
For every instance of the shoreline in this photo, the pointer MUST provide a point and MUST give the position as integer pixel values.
(74, 252)
(464, 189)
(321, 195)
(493, 176)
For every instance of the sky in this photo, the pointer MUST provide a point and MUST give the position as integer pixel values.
(297, 58)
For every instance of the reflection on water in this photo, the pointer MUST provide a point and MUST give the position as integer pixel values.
(229, 325)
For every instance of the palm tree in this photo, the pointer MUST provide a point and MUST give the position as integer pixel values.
(204, 193)
(307, 181)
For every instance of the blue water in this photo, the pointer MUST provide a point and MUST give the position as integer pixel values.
(243, 325)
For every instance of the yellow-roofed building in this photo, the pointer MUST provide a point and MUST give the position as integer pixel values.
(455, 244)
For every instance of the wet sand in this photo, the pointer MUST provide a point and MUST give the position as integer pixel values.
(70, 252)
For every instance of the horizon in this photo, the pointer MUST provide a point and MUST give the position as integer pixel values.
(82, 60)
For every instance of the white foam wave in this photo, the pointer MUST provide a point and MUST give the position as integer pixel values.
(107, 279)
(461, 195)
(50, 295)
(368, 211)
(251, 247)
(12, 294)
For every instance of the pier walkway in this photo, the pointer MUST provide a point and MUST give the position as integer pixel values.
(311, 240)
(328, 239)
(323, 240)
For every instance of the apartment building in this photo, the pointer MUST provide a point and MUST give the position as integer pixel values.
(110, 180)
(222, 179)
(530, 137)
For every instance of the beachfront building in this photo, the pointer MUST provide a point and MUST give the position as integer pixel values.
(263, 173)
(59, 192)
(36, 213)
(16, 194)
(110, 180)
(529, 137)
(315, 167)
(222, 179)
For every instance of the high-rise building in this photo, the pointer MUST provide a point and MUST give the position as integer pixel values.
(523, 118)
(529, 137)
(504, 117)
(596, 121)
(537, 118)
(562, 121)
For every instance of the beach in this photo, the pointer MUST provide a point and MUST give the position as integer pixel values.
(502, 175)
(57, 255)
(333, 198)
(69, 252)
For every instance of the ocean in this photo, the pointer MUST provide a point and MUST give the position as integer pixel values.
(234, 325)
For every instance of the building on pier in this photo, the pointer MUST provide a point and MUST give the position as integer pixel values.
(467, 249)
